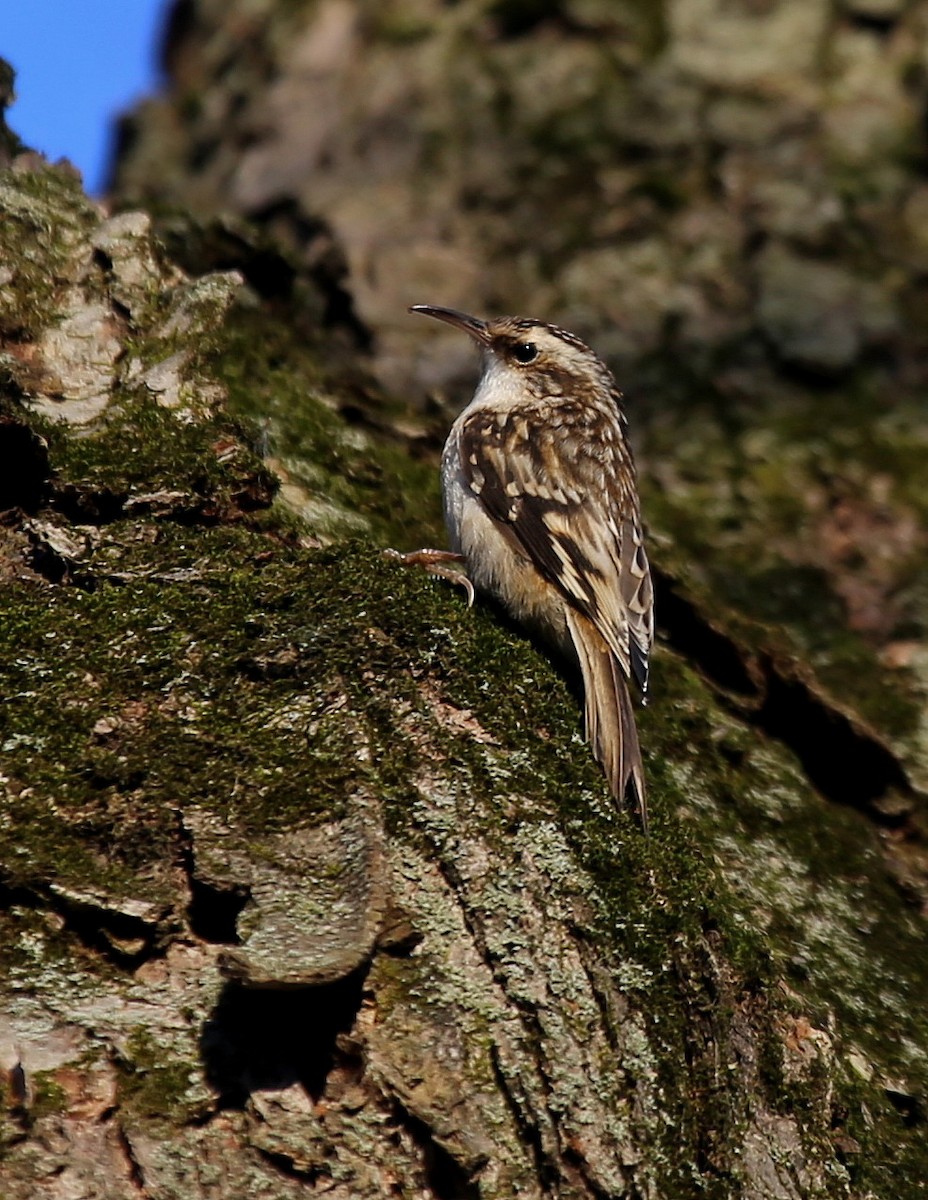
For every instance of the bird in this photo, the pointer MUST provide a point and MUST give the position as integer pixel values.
(541, 507)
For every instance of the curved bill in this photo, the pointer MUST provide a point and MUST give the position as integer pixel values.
(472, 325)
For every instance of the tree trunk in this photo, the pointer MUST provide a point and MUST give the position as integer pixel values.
(309, 882)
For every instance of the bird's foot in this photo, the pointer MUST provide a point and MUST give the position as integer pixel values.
(435, 562)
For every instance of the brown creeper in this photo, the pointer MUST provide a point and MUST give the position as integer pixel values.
(541, 505)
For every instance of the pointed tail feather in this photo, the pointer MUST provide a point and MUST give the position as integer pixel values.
(610, 720)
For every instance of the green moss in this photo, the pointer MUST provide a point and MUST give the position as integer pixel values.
(351, 481)
(42, 215)
(154, 1083)
(141, 446)
(748, 520)
(180, 675)
(48, 1096)
(206, 667)
(394, 24)
(892, 1159)
(804, 873)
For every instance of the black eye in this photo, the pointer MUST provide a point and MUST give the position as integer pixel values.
(525, 352)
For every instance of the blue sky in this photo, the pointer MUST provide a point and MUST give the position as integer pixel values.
(78, 63)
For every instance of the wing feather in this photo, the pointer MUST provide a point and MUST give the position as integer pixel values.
(567, 493)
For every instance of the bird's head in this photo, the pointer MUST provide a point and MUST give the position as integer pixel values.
(522, 355)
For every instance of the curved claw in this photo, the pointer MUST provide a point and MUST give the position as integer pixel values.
(461, 580)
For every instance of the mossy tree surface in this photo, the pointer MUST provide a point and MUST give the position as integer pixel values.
(728, 200)
(309, 880)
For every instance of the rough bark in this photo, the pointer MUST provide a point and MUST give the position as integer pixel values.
(309, 882)
(732, 184)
